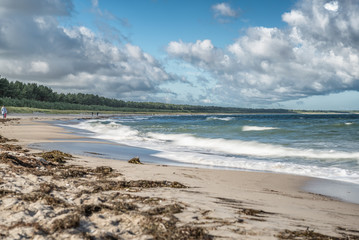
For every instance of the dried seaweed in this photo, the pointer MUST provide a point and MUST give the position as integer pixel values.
(4, 120)
(5, 192)
(305, 234)
(103, 170)
(157, 220)
(253, 212)
(37, 226)
(4, 140)
(56, 156)
(88, 209)
(166, 228)
(124, 207)
(49, 187)
(9, 147)
(135, 160)
(112, 185)
(69, 221)
(168, 209)
(72, 173)
(47, 198)
(9, 158)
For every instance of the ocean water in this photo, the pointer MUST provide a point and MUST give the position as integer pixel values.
(322, 146)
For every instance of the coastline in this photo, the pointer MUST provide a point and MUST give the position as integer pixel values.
(225, 203)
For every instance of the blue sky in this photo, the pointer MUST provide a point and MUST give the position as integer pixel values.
(299, 54)
(152, 24)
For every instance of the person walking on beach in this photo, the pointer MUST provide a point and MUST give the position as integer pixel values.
(3, 111)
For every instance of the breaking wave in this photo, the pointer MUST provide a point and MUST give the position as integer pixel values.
(233, 153)
(256, 128)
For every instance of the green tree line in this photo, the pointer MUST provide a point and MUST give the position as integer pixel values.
(19, 94)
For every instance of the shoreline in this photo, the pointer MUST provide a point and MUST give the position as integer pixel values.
(279, 199)
(113, 150)
(88, 147)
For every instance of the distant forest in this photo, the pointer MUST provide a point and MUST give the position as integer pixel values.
(18, 94)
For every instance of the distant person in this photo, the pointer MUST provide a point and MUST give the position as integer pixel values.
(3, 111)
(97, 113)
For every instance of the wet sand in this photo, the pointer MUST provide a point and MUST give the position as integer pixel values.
(83, 199)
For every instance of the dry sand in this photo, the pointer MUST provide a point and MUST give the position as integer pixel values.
(42, 198)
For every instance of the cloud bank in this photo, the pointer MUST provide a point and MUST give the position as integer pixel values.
(35, 47)
(317, 54)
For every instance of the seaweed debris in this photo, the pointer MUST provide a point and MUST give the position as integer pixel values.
(253, 212)
(4, 139)
(56, 156)
(135, 160)
(69, 211)
(168, 209)
(103, 170)
(9, 147)
(114, 185)
(69, 221)
(306, 234)
(166, 228)
(15, 161)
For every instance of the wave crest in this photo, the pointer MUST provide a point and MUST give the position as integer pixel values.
(219, 118)
(256, 128)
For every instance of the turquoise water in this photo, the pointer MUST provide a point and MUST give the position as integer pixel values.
(324, 146)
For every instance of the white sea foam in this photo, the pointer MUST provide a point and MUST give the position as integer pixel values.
(250, 155)
(219, 118)
(248, 148)
(333, 173)
(256, 128)
(127, 135)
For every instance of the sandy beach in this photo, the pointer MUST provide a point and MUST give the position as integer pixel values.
(52, 195)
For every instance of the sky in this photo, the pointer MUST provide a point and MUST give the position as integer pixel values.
(296, 54)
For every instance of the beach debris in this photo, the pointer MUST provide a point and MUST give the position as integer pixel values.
(168, 209)
(9, 147)
(103, 170)
(4, 192)
(122, 206)
(135, 160)
(72, 173)
(56, 156)
(89, 209)
(348, 233)
(9, 120)
(14, 160)
(166, 228)
(4, 139)
(103, 193)
(113, 185)
(306, 234)
(69, 221)
(47, 188)
(46, 198)
(253, 212)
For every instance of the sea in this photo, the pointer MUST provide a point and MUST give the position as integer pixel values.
(317, 145)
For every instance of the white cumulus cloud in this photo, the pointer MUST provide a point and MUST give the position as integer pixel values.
(34, 47)
(332, 6)
(316, 54)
